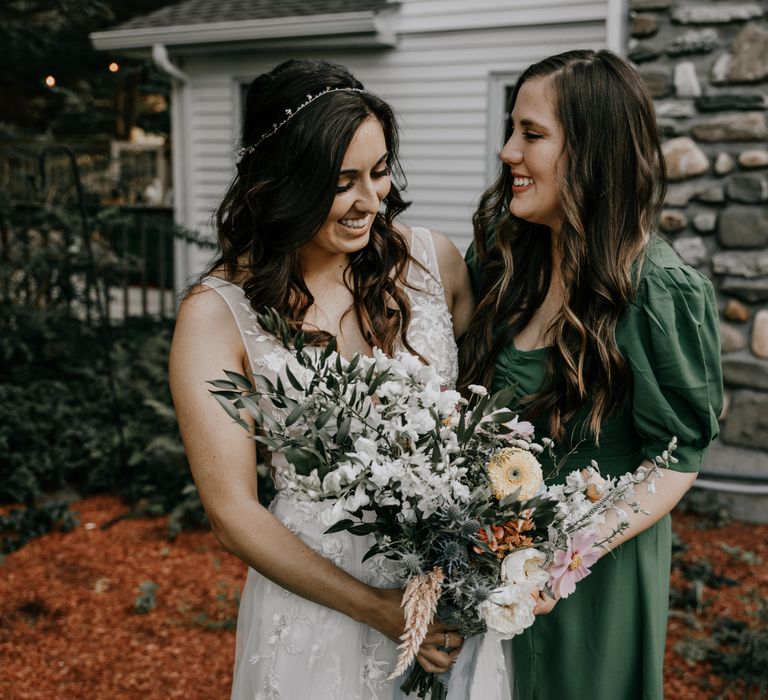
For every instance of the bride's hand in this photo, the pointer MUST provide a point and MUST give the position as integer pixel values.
(440, 648)
(434, 655)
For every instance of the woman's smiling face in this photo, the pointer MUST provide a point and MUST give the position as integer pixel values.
(364, 182)
(534, 154)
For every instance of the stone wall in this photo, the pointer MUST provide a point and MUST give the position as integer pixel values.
(706, 64)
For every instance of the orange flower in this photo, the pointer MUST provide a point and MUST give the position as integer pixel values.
(506, 537)
(497, 532)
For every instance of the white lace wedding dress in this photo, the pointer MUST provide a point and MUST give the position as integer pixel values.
(289, 648)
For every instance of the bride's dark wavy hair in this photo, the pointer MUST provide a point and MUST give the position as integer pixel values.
(612, 185)
(284, 188)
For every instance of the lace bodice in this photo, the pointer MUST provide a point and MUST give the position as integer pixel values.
(430, 332)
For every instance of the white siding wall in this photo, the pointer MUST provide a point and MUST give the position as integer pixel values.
(438, 81)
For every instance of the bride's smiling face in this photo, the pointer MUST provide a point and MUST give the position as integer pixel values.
(364, 181)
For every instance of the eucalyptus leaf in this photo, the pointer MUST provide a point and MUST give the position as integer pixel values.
(229, 395)
(232, 412)
(264, 383)
(254, 410)
(372, 552)
(240, 380)
(329, 349)
(340, 526)
(296, 413)
(295, 383)
(343, 431)
(503, 416)
(502, 398)
(363, 528)
(302, 458)
(222, 384)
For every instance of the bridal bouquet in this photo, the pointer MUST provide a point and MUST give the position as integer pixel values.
(449, 488)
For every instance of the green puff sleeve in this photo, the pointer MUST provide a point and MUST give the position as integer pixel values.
(671, 340)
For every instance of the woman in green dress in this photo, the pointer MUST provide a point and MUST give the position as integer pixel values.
(612, 342)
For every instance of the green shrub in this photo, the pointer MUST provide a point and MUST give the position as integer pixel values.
(57, 417)
(83, 405)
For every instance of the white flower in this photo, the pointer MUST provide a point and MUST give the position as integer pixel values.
(409, 364)
(477, 390)
(407, 514)
(460, 491)
(508, 610)
(332, 482)
(524, 567)
(384, 473)
(421, 421)
(367, 447)
(359, 499)
(575, 481)
(391, 390)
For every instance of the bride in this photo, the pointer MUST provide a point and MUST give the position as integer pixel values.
(307, 228)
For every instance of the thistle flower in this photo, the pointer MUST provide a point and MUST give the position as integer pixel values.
(468, 527)
(412, 561)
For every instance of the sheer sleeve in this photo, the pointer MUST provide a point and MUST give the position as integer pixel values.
(671, 340)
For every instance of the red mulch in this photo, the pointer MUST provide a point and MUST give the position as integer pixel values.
(747, 565)
(68, 627)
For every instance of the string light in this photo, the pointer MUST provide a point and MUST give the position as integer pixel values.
(114, 67)
(50, 81)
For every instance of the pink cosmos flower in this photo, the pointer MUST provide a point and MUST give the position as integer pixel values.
(521, 427)
(516, 428)
(573, 564)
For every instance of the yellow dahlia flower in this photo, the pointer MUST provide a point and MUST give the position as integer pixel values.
(513, 468)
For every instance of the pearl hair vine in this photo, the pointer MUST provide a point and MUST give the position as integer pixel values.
(290, 114)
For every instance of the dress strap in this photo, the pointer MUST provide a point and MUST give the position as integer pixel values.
(423, 251)
(245, 318)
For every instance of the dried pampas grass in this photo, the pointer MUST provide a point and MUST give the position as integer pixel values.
(420, 603)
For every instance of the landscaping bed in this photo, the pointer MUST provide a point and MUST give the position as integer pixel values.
(124, 612)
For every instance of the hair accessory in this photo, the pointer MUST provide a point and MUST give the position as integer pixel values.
(290, 114)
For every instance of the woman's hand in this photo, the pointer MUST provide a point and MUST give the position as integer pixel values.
(544, 603)
(440, 648)
(435, 656)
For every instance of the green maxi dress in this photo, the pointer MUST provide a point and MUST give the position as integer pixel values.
(606, 641)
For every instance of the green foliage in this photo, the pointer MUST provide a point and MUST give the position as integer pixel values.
(224, 615)
(145, 600)
(188, 514)
(52, 37)
(60, 425)
(736, 650)
(741, 656)
(57, 421)
(20, 525)
(708, 505)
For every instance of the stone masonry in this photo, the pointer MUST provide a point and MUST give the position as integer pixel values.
(706, 64)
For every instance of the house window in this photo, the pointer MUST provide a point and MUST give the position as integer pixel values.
(499, 95)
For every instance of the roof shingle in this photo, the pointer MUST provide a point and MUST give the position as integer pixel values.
(207, 12)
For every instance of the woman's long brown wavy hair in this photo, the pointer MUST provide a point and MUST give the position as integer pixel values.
(284, 189)
(612, 185)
